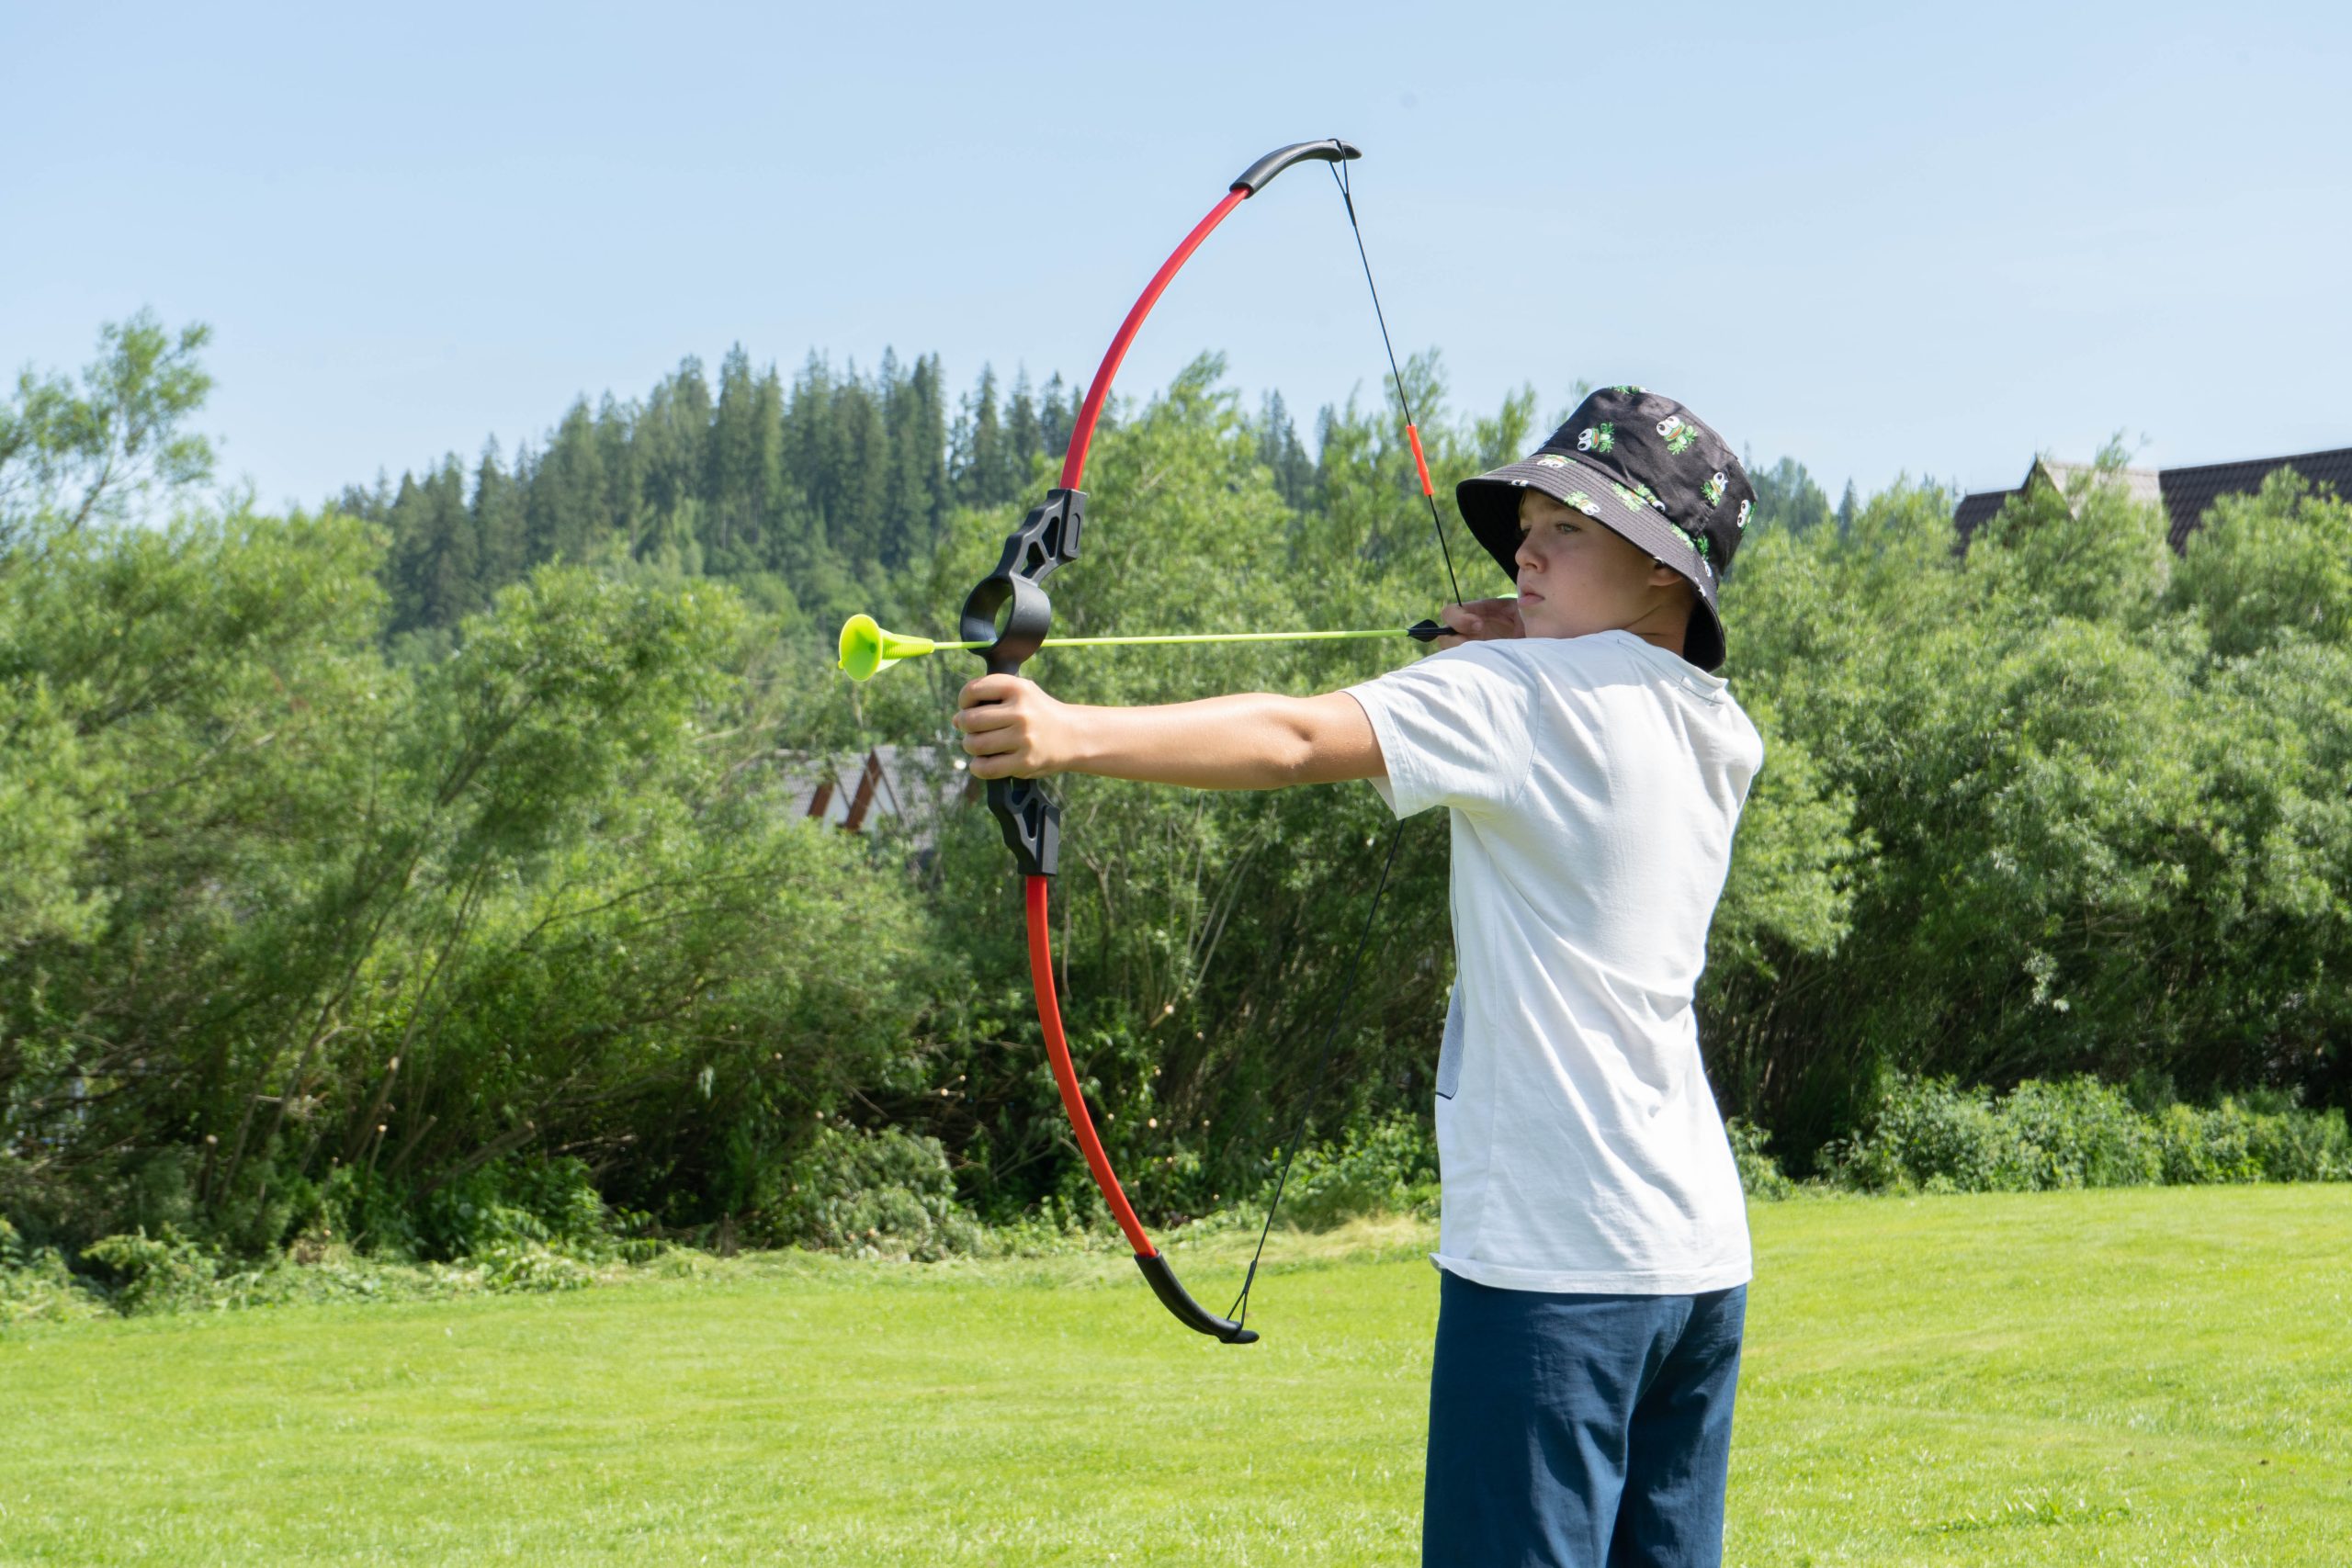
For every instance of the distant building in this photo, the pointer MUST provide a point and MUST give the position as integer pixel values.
(2186, 494)
(906, 784)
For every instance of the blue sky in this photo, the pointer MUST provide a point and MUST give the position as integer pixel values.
(1876, 238)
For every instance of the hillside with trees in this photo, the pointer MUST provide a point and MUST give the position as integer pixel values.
(384, 869)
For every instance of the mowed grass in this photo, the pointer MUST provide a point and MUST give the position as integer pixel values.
(2156, 1376)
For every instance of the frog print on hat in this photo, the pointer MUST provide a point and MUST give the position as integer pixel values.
(1599, 438)
(1679, 435)
(1641, 495)
(1714, 491)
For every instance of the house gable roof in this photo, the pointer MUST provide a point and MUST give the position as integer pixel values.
(2189, 493)
(2186, 494)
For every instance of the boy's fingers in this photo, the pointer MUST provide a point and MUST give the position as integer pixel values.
(986, 716)
(982, 690)
(1478, 620)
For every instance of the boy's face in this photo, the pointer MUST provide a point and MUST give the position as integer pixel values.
(1577, 576)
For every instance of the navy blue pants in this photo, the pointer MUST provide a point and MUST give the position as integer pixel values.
(1579, 1431)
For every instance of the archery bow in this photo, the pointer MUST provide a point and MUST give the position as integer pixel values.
(1006, 618)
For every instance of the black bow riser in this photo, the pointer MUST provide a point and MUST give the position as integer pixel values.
(1028, 815)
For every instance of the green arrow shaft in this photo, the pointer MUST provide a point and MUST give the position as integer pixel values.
(1193, 637)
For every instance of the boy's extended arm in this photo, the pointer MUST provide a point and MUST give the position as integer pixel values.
(1254, 740)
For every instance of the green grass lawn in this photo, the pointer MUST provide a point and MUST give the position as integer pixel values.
(2149, 1376)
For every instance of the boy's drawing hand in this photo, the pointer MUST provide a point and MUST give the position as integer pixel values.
(1480, 620)
(1013, 729)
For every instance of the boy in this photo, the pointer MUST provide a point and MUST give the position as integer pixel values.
(1592, 1249)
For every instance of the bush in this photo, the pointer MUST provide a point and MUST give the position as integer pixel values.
(881, 1194)
(157, 1273)
(511, 1204)
(1389, 1167)
(1925, 1133)
(1759, 1174)
(2295, 1145)
(37, 1287)
(2235, 1141)
(2080, 1132)
(1932, 1136)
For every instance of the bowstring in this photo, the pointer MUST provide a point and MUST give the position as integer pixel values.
(1240, 1312)
(1404, 403)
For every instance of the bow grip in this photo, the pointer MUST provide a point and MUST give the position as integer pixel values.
(1009, 610)
(1046, 538)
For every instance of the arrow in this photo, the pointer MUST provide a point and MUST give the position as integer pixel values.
(866, 650)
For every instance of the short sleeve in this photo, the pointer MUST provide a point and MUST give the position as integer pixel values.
(1455, 729)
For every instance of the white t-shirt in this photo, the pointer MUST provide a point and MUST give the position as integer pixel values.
(1594, 784)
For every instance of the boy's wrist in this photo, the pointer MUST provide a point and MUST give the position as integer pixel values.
(1081, 743)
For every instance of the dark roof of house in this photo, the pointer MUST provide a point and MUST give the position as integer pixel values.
(913, 784)
(1976, 509)
(2187, 493)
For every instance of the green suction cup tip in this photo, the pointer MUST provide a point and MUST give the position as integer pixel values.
(866, 650)
(861, 647)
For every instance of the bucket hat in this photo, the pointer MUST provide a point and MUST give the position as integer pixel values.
(1650, 470)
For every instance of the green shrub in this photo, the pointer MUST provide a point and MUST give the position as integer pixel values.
(881, 1194)
(1389, 1167)
(1933, 1135)
(510, 1205)
(2080, 1132)
(1926, 1133)
(37, 1287)
(527, 1268)
(157, 1273)
(2296, 1145)
(2235, 1141)
(1759, 1174)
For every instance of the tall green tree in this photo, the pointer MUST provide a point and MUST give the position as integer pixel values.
(97, 452)
(435, 570)
(983, 460)
(564, 506)
(497, 508)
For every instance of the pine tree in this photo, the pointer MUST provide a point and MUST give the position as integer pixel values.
(807, 436)
(731, 487)
(985, 479)
(1279, 449)
(435, 564)
(1023, 436)
(863, 522)
(498, 545)
(563, 509)
(624, 512)
(670, 435)
(1786, 497)
(1057, 418)
(926, 437)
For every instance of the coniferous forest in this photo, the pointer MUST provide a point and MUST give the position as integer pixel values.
(430, 868)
